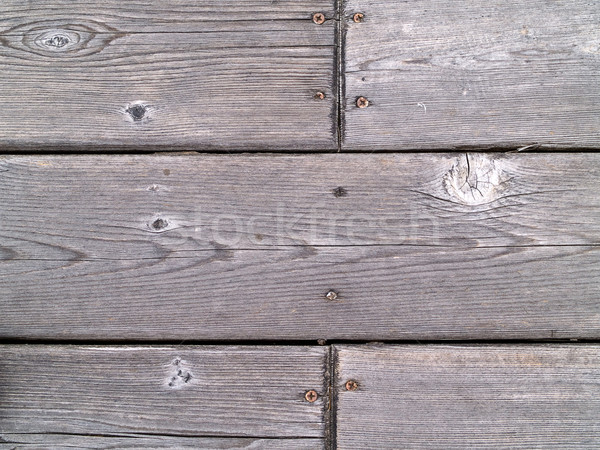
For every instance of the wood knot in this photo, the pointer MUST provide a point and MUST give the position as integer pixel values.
(137, 112)
(475, 179)
(60, 38)
(179, 374)
(58, 41)
(159, 224)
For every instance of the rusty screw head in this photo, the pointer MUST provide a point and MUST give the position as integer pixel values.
(319, 95)
(319, 18)
(311, 396)
(358, 17)
(331, 295)
(362, 102)
(351, 385)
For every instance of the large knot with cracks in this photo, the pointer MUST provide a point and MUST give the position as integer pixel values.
(475, 179)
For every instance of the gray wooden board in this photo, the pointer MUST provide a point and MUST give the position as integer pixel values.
(452, 74)
(211, 75)
(229, 393)
(29, 441)
(456, 397)
(247, 247)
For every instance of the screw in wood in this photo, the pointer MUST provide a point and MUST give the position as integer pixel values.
(319, 18)
(358, 17)
(351, 385)
(319, 95)
(331, 295)
(362, 102)
(311, 396)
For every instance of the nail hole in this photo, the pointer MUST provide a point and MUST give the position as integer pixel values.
(340, 192)
(319, 96)
(358, 17)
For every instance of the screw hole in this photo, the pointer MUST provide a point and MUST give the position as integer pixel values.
(340, 192)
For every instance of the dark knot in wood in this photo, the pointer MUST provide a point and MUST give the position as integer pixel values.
(137, 112)
(160, 224)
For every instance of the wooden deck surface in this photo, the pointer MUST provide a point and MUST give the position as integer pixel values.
(299, 224)
(248, 247)
(450, 397)
(472, 74)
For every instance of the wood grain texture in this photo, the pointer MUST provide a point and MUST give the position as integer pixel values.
(162, 75)
(223, 392)
(456, 74)
(60, 441)
(456, 397)
(247, 247)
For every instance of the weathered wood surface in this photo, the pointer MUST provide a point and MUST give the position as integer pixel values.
(452, 74)
(163, 75)
(247, 247)
(113, 393)
(456, 397)
(60, 441)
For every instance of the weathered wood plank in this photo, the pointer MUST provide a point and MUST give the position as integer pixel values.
(107, 206)
(382, 292)
(57, 441)
(149, 392)
(451, 74)
(163, 75)
(468, 397)
(247, 247)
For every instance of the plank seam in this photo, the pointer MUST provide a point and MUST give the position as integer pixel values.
(288, 343)
(340, 38)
